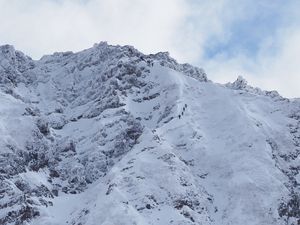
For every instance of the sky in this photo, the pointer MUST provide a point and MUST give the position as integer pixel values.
(259, 40)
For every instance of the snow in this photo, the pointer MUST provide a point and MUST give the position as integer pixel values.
(120, 153)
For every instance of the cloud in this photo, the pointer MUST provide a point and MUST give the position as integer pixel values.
(270, 72)
(40, 27)
(258, 41)
(281, 71)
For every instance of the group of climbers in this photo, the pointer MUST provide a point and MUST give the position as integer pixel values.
(183, 110)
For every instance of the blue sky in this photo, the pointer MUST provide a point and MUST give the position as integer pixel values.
(246, 33)
(256, 39)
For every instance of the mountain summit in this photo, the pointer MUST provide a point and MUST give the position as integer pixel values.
(111, 136)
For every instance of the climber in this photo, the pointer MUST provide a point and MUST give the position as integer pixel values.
(179, 116)
(182, 113)
(185, 105)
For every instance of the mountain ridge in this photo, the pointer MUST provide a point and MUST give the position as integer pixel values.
(113, 136)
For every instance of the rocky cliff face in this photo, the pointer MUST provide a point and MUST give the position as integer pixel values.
(112, 136)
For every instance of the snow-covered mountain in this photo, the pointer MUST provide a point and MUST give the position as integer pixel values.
(110, 136)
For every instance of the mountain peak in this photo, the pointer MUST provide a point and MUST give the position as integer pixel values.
(115, 136)
(239, 84)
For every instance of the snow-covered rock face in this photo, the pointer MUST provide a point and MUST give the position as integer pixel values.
(112, 136)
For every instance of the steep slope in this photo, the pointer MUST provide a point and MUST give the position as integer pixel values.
(112, 136)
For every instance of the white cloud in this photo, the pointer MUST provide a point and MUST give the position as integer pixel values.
(280, 72)
(39, 27)
(276, 64)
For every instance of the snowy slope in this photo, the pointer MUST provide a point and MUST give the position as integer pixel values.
(112, 136)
